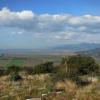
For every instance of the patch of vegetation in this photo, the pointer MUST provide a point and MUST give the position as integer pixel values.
(12, 69)
(46, 67)
(76, 66)
(16, 62)
(2, 71)
(28, 70)
(59, 73)
(15, 76)
(80, 65)
(59, 82)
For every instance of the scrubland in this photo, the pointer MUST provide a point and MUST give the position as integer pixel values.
(74, 78)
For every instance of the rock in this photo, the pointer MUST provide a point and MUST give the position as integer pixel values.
(93, 79)
(34, 99)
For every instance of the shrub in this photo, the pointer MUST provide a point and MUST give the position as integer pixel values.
(2, 71)
(79, 81)
(28, 70)
(15, 76)
(59, 73)
(46, 67)
(12, 69)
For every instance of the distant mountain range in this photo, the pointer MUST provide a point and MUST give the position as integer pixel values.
(69, 48)
(78, 47)
(93, 52)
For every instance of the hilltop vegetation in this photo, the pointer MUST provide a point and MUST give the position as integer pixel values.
(73, 77)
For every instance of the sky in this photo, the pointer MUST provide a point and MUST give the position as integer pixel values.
(38, 24)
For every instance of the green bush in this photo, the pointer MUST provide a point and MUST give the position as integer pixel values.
(2, 71)
(11, 69)
(28, 70)
(72, 67)
(46, 67)
(15, 76)
(81, 65)
(79, 81)
(59, 73)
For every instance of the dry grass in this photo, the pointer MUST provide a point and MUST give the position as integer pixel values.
(35, 85)
(32, 86)
(72, 91)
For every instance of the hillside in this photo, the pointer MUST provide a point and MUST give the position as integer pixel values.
(77, 47)
(92, 52)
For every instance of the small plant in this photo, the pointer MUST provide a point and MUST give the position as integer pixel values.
(15, 76)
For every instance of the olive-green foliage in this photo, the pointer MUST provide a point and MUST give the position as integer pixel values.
(80, 65)
(28, 70)
(79, 81)
(46, 67)
(14, 76)
(59, 73)
(13, 72)
(2, 71)
(12, 69)
(72, 67)
(64, 61)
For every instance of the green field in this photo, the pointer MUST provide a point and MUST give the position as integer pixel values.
(28, 61)
(17, 62)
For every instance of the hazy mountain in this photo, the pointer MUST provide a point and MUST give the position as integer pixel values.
(93, 52)
(59, 49)
(78, 47)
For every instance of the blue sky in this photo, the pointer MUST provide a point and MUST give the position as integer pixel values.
(47, 23)
(76, 7)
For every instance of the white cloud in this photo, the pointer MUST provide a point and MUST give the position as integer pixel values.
(24, 15)
(57, 26)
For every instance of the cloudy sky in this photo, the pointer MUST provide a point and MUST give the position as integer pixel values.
(48, 23)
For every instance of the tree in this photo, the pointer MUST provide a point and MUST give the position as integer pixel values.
(74, 67)
(80, 65)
